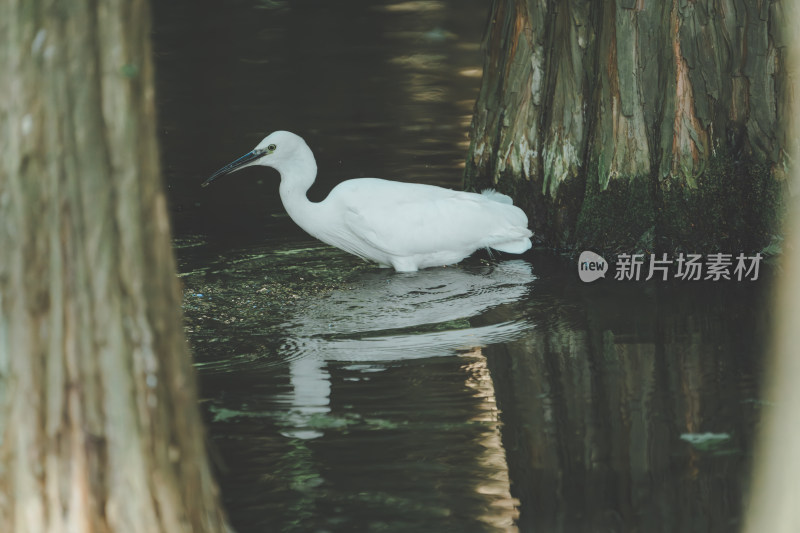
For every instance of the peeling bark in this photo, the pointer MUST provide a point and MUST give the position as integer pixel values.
(578, 95)
(99, 425)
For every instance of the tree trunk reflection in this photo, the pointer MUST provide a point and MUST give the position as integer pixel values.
(595, 403)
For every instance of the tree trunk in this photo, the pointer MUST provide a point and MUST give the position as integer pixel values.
(774, 491)
(98, 408)
(632, 125)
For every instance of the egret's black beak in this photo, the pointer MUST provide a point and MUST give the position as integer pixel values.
(236, 165)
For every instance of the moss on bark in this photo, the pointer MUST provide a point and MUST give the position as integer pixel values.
(735, 207)
(620, 218)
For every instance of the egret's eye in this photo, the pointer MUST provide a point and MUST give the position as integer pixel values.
(271, 147)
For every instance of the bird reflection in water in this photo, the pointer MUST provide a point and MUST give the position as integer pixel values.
(389, 317)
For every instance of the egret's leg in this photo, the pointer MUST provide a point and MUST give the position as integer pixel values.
(405, 264)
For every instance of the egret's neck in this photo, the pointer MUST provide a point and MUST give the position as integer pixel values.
(297, 176)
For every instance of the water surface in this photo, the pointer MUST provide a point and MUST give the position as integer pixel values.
(485, 397)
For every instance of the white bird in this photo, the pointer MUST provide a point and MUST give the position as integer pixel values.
(407, 226)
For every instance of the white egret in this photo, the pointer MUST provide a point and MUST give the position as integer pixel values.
(404, 225)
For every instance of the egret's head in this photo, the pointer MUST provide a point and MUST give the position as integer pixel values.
(276, 150)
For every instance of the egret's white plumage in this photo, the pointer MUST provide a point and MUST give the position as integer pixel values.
(404, 225)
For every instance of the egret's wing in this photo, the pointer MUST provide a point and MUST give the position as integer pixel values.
(404, 219)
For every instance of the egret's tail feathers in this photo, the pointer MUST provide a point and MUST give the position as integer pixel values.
(492, 194)
(515, 241)
(513, 247)
(514, 237)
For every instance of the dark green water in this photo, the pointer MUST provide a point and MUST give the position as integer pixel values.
(502, 394)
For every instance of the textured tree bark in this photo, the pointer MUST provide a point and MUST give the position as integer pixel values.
(616, 123)
(100, 430)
